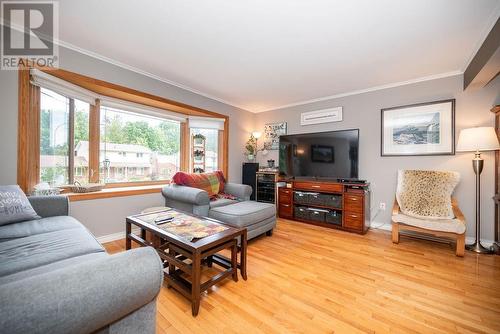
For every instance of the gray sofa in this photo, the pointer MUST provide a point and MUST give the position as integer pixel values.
(56, 278)
(256, 217)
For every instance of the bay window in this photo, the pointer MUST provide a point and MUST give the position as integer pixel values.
(136, 147)
(64, 127)
(75, 128)
(211, 130)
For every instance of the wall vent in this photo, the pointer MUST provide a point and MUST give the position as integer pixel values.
(321, 116)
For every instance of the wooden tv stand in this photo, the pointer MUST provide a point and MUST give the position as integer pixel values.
(349, 200)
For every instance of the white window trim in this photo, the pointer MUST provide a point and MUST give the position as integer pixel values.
(140, 109)
(69, 90)
(206, 123)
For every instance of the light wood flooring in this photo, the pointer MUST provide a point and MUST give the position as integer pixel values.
(308, 279)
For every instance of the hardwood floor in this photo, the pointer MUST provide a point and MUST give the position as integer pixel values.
(316, 280)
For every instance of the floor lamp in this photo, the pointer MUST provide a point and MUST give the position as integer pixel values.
(478, 140)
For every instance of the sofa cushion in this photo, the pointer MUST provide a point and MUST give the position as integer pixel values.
(443, 225)
(426, 194)
(44, 248)
(14, 206)
(51, 267)
(243, 214)
(44, 225)
(221, 202)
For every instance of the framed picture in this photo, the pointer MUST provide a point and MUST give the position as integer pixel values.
(322, 153)
(419, 129)
(272, 133)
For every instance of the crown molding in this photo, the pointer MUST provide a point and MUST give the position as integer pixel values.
(145, 73)
(368, 90)
(128, 67)
(492, 21)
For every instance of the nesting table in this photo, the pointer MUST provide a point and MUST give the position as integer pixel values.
(183, 260)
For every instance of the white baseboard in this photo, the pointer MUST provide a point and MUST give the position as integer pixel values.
(388, 227)
(111, 237)
(114, 236)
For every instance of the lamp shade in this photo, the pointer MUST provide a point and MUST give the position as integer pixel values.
(478, 139)
(256, 134)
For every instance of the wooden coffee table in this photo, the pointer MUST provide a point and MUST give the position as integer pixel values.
(183, 259)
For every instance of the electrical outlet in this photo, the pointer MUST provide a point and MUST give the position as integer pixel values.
(382, 206)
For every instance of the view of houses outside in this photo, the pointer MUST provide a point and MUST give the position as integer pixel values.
(137, 147)
(133, 147)
(54, 138)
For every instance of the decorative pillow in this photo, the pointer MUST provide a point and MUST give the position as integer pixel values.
(14, 206)
(213, 183)
(426, 194)
(223, 196)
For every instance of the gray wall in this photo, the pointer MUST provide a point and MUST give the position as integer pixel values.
(363, 111)
(105, 217)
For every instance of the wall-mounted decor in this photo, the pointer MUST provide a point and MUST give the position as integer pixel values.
(321, 116)
(272, 133)
(419, 129)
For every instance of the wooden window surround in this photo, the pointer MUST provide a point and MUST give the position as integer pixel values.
(28, 166)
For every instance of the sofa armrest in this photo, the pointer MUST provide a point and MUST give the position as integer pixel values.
(84, 297)
(242, 191)
(50, 206)
(185, 194)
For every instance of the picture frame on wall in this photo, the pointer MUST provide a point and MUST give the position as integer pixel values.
(418, 129)
(272, 133)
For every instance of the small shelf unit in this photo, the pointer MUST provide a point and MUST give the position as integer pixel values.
(198, 153)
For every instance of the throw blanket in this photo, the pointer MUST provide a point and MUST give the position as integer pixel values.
(213, 183)
(426, 194)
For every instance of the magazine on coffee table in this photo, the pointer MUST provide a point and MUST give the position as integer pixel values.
(183, 225)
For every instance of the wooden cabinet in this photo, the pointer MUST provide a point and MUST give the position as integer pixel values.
(317, 186)
(285, 203)
(330, 204)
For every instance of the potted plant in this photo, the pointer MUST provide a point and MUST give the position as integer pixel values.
(198, 139)
(250, 147)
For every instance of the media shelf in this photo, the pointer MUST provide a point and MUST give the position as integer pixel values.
(330, 204)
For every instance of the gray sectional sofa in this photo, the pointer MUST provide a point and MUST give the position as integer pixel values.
(55, 277)
(256, 217)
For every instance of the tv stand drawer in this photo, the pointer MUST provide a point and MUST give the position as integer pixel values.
(353, 202)
(285, 210)
(317, 186)
(353, 220)
(285, 196)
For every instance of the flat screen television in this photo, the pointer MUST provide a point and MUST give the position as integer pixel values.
(332, 155)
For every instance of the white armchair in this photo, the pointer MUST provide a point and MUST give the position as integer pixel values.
(452, 226)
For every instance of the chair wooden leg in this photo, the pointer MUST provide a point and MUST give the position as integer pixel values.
(395, 232)
(460, 245)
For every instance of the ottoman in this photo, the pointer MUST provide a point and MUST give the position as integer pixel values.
(257, 217)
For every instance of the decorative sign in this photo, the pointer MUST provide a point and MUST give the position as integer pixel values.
(272, 133)
(321, 116)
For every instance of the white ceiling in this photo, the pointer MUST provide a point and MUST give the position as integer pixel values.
(264, 54)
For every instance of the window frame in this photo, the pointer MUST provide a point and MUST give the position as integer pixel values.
(28, 167)
(71, 137)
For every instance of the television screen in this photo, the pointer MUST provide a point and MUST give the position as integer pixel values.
(331, 154)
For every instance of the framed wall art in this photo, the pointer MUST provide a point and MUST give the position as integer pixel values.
(419, 129)
(272, 133)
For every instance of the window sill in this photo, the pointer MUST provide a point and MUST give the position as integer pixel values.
(116, 192)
